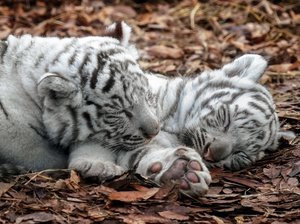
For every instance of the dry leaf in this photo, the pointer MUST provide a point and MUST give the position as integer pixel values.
(272, 172)
(130, 196)
(162, 51)
(4, 187)
(37, 217)
(173, 215)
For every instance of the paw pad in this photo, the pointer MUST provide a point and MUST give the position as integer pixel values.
(155, 168)
(181, 170)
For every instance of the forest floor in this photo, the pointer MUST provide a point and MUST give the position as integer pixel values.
(173, 38)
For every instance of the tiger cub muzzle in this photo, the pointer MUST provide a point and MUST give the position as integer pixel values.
(146, 121)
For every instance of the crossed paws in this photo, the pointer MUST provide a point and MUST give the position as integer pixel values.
(182, 165)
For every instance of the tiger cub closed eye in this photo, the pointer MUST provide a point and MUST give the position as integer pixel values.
(87, 95)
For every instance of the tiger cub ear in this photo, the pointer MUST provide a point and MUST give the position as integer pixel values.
(56, 89)
(251, 66)
(120, 31)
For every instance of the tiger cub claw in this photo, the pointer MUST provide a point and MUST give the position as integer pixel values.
(181, 165)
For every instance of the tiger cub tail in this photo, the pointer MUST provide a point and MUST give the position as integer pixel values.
(289, 135)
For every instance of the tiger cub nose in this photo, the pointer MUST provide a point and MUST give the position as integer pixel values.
(150, 132)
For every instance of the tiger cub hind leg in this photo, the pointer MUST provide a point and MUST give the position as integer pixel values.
(177, 164)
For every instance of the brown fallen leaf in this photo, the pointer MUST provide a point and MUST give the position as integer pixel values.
(272, 172)
(173, 215)
(98, 213)
(73, 182)
(215, 190)
(162, 51)
(295, 170)
(282, 68)
(4, 187)
(130, 196)
(244, 181)
(217, 219)
(144, 218)
(36, 217)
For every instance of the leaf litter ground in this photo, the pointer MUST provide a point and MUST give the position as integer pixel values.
(173, 38)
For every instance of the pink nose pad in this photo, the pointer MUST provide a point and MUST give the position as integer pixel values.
(208, 156)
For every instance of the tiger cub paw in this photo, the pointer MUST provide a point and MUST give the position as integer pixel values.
(96, 169)
(183, 165)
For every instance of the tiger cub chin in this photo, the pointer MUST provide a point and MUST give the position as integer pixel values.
(84, 96)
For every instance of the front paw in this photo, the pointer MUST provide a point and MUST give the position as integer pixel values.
(183, 165)
(96, 169)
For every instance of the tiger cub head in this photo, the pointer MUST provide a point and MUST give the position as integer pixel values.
(111, 104)
(234, 134)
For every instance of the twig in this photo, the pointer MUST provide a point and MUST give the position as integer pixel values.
(192, 15)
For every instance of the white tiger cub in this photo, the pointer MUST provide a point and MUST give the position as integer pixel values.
(87, 95)
(223, 115)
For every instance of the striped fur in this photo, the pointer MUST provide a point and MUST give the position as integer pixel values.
(225, 115)
(87, 95)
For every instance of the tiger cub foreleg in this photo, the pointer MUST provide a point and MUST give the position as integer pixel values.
(92, 160)
(165, 163)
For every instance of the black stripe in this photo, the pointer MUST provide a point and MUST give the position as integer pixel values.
(265, 101)
(109, 84)
(261, 135)
(94, 78)
(100, 65)
(84, 62)
(125, 91)
(108, 53)
(72, 58)
(38, 132)
(212, 97)
(4, 110)
(63, 51)
(88, 120)
(257, 107)
(3, 49)
(235, 96)
(271, 131)
(61, 133)
(75, 130)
